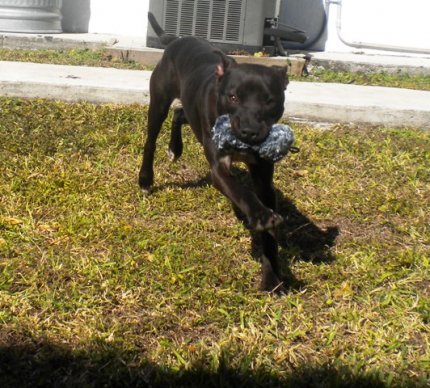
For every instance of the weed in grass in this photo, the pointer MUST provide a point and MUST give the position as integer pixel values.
(102, 286)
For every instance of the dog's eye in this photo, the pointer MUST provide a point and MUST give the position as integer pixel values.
(233, 98)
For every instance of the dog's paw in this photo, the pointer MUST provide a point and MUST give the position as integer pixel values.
(267, 221)
(271, 283)
(146, 191)
(173, 155)
(145, 183)
(270, 280)
(175, 149)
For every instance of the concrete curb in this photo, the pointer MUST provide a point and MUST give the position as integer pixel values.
(135, 48)
(56, 41)
(353, 63)
(150, 57)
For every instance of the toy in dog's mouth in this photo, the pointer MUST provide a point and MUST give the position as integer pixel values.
(276, 145)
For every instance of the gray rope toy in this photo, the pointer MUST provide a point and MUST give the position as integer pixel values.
(276, 146)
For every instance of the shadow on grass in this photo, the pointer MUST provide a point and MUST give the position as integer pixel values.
(299, 237)
(47, 365)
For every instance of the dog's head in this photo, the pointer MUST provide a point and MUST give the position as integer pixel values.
(253, 96)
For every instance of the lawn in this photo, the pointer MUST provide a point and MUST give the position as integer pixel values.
(103, 286)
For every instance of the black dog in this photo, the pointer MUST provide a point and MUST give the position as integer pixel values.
(210, 84)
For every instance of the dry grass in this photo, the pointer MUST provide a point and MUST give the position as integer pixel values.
(100, 286)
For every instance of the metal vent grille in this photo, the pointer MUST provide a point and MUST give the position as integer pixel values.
(215, 20)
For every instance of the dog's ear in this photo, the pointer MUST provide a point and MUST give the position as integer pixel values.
(283, 73)
(219, 70)
(225, 63)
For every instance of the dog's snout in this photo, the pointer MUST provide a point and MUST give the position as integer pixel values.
(249, 129)
(253, 132)
(249, 135)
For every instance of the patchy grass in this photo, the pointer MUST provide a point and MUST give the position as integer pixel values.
(100, 58)
(74, 57)
(399, 80)
(101, 286)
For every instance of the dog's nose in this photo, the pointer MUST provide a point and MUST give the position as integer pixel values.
(249, 135)
(248, 130)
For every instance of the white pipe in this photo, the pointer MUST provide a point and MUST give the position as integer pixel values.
(277, 8)
(367, 45)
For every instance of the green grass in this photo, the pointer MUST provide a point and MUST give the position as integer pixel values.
(102, 286)
(394, 80)
(75, 57)
(101, 58)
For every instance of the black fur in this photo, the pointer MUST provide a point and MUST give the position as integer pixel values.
(210, 84)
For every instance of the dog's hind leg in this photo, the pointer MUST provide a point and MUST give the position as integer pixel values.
(176, 145)
(156, 116)
(158, 110)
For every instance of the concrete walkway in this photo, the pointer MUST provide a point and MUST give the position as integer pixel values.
(307, 101)
(304, 100)
(74, 83)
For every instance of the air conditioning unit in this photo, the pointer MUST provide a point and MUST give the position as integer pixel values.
(228, 24)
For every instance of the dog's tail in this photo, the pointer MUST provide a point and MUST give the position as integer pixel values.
(165, 38)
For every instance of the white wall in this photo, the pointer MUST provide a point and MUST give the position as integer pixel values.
(381, 22)
(123, 17)
(119, 17)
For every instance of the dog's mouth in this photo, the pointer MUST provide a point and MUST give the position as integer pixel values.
(249, 134)
(251, 140)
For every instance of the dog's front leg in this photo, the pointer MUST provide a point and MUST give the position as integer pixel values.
(260, 217)
(259, 207)
(260, 211)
